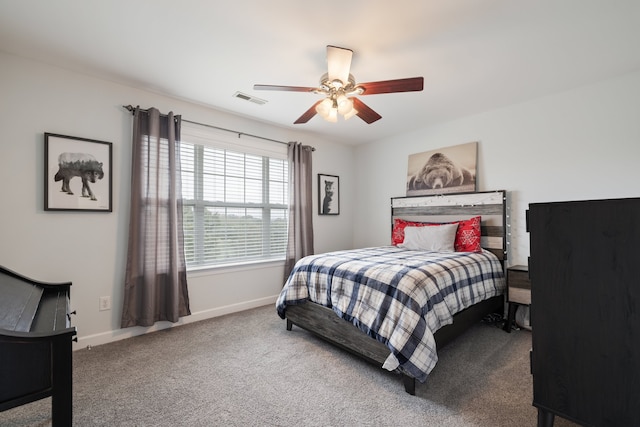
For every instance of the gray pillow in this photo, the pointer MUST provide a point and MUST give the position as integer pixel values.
(437, 238)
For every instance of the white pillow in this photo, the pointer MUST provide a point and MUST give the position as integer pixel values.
(437, 238)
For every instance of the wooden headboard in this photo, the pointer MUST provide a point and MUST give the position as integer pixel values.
(491, 205)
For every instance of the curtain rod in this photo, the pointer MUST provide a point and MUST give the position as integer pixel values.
(131, 108)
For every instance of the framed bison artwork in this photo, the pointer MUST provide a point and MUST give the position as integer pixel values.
(77, 174)
(328, 194)
(445, 170)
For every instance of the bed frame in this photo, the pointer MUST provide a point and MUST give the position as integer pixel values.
(491, 205)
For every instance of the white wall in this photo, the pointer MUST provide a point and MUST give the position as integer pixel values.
(89, 249)
(581, 144)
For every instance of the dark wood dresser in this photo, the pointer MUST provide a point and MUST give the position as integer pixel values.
(585, 311)
(35, 345)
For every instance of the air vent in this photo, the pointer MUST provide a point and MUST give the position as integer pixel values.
(250, 98)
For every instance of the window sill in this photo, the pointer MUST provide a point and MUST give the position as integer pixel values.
(231, 268)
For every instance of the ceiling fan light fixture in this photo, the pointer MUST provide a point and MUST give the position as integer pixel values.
(328, 110)
(323, 107)
(350, 114)
(345, 105)
(332, 106)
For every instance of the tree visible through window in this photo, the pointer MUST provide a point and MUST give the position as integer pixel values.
(235, 206)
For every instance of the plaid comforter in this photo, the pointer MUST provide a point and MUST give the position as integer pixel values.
(398, 296)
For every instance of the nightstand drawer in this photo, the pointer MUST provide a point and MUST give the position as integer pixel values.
(520, 296)
(518, 278)
(519, 285)
(518, 291)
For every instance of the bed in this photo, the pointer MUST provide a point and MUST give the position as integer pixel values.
(396, 305)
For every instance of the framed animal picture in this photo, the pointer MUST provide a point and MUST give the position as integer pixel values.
(328, 194)
(445, 170)
(77, 174)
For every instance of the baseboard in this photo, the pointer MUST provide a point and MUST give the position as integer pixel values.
(121, 334)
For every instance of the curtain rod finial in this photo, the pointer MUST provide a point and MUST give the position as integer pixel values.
(130, 107)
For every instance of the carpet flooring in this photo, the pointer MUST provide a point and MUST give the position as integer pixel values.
(245, 369)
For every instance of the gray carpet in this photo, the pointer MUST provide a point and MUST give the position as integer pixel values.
(245, 369)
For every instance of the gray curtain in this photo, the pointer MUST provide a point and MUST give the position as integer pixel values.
(156, 275)
(300, 236)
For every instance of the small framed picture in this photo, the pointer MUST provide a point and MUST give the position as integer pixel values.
(77, 174)
(328, 195)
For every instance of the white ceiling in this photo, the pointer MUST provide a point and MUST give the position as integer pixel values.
(475, 55)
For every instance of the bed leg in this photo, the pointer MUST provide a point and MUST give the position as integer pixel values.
(289, 325)
(409, 384)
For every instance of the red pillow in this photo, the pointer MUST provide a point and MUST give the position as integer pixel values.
(467, 235)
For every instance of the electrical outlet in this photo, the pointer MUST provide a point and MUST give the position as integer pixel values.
(105, 303)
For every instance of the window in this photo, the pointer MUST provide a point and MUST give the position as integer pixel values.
(235, 202)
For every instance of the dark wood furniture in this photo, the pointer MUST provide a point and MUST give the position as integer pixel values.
(35, 344)
(518, 292)
(491, 205)
(585, 311)
(323, 322)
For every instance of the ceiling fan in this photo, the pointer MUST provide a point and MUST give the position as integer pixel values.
(340, 90)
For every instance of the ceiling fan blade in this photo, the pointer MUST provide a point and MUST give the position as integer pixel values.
(412, 84)
(339, 63)
(285, 88)
(307, 114)
(364, 112)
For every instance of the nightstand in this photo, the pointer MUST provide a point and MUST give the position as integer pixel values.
(518, 291)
